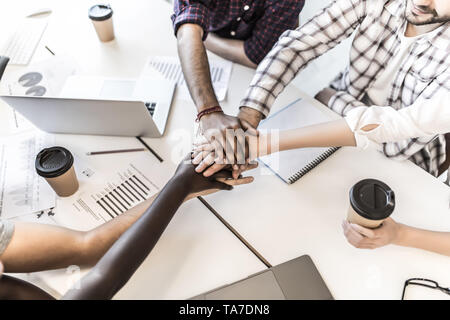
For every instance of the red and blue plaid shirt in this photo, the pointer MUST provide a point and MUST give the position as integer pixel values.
(258, 22)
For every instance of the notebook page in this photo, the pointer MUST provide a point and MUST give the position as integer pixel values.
(298, 114)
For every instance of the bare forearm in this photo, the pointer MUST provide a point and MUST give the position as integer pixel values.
(37, 247)
(438, 242)
(194, 63)
(330, 134)
(229, 49)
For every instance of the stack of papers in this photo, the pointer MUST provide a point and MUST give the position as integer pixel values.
(170, 69)
(22, 191)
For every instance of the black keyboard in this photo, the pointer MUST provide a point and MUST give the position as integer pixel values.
(151, 107)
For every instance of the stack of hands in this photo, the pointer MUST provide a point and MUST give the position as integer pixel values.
(227, 142)
(233, 143)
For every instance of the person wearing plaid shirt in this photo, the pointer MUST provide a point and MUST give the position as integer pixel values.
(258, 24)
(399, 60)
(380, 26)
(242, 31)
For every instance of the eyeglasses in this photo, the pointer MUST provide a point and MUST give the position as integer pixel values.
(424, 283)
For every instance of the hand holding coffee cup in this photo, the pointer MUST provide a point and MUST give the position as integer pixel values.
(56, 166)
(371, 202)
(101, 17)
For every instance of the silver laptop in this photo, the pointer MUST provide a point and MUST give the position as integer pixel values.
(297, 279)
(101, 106)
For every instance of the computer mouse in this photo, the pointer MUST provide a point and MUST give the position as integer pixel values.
(38, 12)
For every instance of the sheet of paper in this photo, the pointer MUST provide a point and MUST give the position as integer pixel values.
(170, 68)
(104, 196)
(44, 217)
(16, 123)
(44, 79)
(22, 191)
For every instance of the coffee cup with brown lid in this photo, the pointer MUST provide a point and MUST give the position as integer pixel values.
(371, 202)
(56, 166)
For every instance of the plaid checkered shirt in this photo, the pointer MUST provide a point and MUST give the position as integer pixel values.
(258, 22)
(377, 25)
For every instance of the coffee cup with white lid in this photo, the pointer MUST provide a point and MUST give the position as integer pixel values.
(101, 17)
(371, 202)
(55, 164)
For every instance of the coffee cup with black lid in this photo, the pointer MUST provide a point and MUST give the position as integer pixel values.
(55, 164)
(371, 202)
(101, 17)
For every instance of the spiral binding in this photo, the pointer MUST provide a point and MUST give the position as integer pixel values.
(312, 165)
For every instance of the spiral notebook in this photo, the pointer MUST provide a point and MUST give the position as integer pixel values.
(291, 165)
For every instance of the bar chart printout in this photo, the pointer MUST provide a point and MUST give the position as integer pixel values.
(170, 69)
(130, 189)
(105, 197)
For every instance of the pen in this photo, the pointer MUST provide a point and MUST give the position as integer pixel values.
(150, 149)
(93, 153)
(49, 50)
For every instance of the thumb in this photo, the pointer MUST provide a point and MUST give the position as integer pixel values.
(249, 128)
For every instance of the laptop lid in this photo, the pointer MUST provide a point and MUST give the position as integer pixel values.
(86, 116)
(297, 279)
(155, 91)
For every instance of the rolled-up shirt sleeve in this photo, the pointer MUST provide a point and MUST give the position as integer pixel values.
(6, 233)
(191, 11)
(424, 118)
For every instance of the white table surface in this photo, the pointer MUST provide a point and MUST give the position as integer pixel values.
(285, 221)
(196, 252)
(282, 222)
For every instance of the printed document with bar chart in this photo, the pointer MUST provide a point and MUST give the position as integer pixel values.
(170, 69)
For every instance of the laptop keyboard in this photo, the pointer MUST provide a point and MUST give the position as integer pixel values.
(23, 42)
(151, 106)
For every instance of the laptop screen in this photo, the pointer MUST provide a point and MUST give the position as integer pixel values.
(117, 89)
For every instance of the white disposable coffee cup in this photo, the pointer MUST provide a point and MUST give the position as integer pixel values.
(56, 166)
(101, 17)
(371, 202)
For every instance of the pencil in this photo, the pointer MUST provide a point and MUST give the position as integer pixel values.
(49, 50)
(93, 153)
(150, 149)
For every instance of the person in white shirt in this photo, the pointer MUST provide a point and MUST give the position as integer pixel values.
(363, 127)
(424, 118)
(394, 95)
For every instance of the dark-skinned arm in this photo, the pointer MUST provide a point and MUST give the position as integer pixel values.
(16, 289)
(126, 255)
